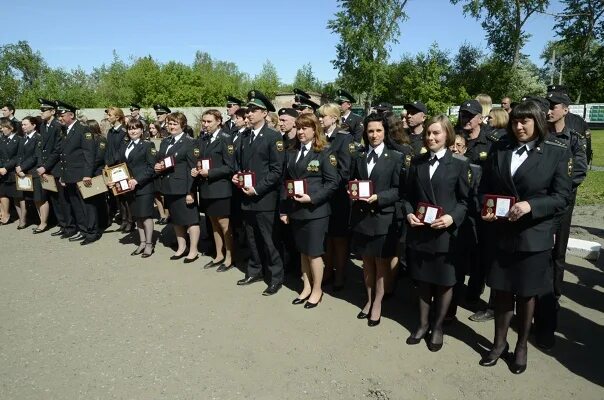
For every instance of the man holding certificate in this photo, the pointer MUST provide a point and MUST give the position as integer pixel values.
(311, 178)
(77, 161)
(261, 161)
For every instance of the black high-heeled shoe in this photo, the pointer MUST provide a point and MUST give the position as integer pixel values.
(297, 300)
(139, 250)
(376, 322)
(190, 260)
(308, 304)
(362, 315)
(434, 347)
(489, 360)
(516, 368)
(175, 257)
(147, 255)
(411, 340)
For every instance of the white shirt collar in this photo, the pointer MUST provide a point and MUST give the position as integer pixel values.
(177, 137)
(135, 141)
(331, 132)
(30, 135)
(255, 131)
(529, 145)
(11, 136)
(307, 146)
(378, 150)
(346, 114)
(439, 154)
(70, 126)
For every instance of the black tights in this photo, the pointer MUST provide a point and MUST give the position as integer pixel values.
(442, 299)
(504, 311)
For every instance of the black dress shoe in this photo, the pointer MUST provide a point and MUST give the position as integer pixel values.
(223, 267)
(248, 280)
(308, 304)
(20, 227)
(190, 260)
(212, 264)
(434, 347)
(89, 240)
(376, 322)
(362, 315)
(37, 230)
(489, 360)
(138, 251)
(297, 300)
(60, 232)
(271, 289)
(173, 258)
(517, 369)
(77, 238)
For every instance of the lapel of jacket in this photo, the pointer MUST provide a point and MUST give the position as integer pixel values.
(380, 163)
(137, 147)
(303, 164)
(174, 149)
(423, 172)
(504, 160)
(529, 165)
(440, 173)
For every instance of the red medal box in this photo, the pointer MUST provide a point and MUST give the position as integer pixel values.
(427, 212)
(295, 186)
(122, 187)
(360, 189)
(167, 162)
(246, 179)
(204, 163)
(498, 205)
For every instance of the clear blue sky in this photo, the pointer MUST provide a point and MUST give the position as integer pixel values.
(289, 33)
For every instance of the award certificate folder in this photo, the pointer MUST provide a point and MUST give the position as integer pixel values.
(498, 205)
(360, 189)
(25, 184)
(48, 183)
(246, 179)
(428, 213)
(98, 187)
(296, 187)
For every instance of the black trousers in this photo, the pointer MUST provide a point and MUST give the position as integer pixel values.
(261, 233)
(547, 306)
(84, 212)
(58, 201)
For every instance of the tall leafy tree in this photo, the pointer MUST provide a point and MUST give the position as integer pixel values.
(367, 29)
(504, 23)
(267, 81)
(305, 79)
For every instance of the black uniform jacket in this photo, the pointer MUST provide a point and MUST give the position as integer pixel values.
(178, 180)
(449, 188)
(355, 125)
(265, 157)
(52, 142)
(77, 156)
(9, 156)
(319, 170)
(576, 143)
(478, 149)
(341, 145)
(140, 162)
(221, 151)
(377, 218)
(29, 153)
(99, 156)
(115, 138)
(543, 180)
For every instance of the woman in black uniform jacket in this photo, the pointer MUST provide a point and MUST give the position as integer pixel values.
(139, 156)
(28, 161)
(10, 142)
(439, 179)
(373, 220)
(177, 186)
(341, 145)
(215, 187)
(309, 212)
(521, 264)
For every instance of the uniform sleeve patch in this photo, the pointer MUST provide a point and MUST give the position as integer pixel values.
(352, 148)
(196, 152)
(570, 167)
(333, 160)
(230, 149)
(102, 145)
(88, 136)
(279, 145)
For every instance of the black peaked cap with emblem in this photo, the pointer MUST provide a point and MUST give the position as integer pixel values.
(383, 106)
(135, 106)
(234, 100)
(301, 93)
(557, 88)
(288, 111)
(63, 107)
(161, 109)
(472, 106)
(343, 96)
(258, 99)
(46, 104)
(558, 98)
(416, 105)
(306, 103)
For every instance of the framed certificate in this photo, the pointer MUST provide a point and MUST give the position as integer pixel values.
(295, 187)
(204, 163)
(360, 189)
(428, 213)
(25, 184)
(48, 183)
(98, 187)
(246, 179)
(117, 173)
(498, 205)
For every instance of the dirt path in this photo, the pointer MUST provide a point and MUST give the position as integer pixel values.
(95, 323)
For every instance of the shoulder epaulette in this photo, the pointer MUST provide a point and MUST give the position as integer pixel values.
(556, 143)
(581, 135)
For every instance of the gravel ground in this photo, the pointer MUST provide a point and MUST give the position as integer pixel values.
(96, 323)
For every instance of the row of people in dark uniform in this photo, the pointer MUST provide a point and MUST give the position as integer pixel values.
(236, 173)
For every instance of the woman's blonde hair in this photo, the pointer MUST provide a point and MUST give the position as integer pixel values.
(486, 102)
(311, 121)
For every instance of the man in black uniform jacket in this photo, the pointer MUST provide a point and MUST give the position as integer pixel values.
(546, 311)
(48, 161)
(262, 152)
(77, 162)
(478, 142)
(8, 111)
(233, 104)
(416, 115)
(353, 121)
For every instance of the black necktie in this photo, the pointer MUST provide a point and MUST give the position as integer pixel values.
(302, 151)
(331, 138)
(26, 140)
(343, 119)
(172, 141)
(252, 138)
(521, 150)
(433, 160)
(372, 156)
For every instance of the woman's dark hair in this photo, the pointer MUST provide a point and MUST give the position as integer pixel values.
(7, 123)
(398, 133)
(135, 124)
(94, 127)
(528, 109)
(178, 117)
(33, 120)
(241, 112)
(375, 118)
(157, 128)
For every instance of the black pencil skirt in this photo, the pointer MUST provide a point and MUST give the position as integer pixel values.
(309, 235)
(181, 213)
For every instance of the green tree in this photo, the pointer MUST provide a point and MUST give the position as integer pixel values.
(20, 69)
(267, 81)
(367, 29)
(504, 22)
(306, 80)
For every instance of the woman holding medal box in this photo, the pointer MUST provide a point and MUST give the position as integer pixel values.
(139, 156)
(309, 212)
(214, 169)
(373, 219)
(436, 178)
(177, 186)
(10, 143)
(521, 265)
